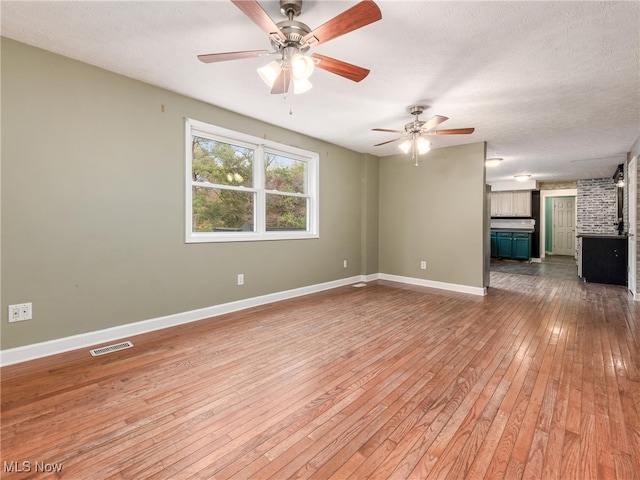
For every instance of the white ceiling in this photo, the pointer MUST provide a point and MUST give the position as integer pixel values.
(552, 87)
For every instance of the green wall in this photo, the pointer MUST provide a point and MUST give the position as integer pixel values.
(434, 212)
(93, 204)
(92, 190)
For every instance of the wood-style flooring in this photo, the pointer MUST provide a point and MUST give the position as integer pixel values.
(540, 379)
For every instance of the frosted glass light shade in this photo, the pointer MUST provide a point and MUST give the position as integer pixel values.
(405, 146)
(301, 85)
(270, 72)
(423, 145)
(301, 67)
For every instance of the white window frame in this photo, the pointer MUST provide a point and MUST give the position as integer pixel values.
(260, 146)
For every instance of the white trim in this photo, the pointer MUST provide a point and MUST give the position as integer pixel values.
(631, 175)
(371, 278)
(260, 148)
(85, 340)
(454, 287)
(567, 192)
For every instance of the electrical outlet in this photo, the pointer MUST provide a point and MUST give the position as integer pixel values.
(423, 265)
(20, 312)
(240, 279)
(344, 263)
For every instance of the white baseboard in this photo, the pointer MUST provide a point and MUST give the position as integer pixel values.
(433, 284)
(371, 278)
(91, 339)
(85, 340)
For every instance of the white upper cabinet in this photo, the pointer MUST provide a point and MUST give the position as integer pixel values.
(511, 204)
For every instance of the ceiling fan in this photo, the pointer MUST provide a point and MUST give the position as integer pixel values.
(291, 39)
(414, 133)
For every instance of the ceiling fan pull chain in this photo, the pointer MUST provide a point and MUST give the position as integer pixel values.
(290, 97)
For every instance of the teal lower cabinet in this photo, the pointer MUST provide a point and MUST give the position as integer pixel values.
(512, 245)
(521, 249)
(505, 244)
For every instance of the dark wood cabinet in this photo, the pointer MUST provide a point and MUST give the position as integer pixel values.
(604, 259)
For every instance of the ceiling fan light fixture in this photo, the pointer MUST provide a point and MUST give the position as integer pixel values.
(423, 145)
(405, 146)
(301, 85)
(301, 67)
(270, 72)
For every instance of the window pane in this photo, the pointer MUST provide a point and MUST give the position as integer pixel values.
(221, 210)
(286, 213)
(221, 163)
(284, 174)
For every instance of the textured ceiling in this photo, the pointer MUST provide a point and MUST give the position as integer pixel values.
(552, 87)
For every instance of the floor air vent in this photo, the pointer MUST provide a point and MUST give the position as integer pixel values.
(358, 285)
(111, 348)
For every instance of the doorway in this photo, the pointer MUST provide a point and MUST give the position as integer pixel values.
(564, 229)
(547, 230)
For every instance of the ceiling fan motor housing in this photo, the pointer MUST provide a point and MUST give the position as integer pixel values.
(294, 30)
(416, 125)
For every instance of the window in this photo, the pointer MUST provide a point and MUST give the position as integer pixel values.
(242, 188)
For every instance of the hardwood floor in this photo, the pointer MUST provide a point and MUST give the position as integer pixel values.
(537, 380)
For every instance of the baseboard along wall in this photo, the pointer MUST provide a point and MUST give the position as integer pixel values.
(85, 340)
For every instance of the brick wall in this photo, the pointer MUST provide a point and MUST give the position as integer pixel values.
(596, 206)
(557, 185)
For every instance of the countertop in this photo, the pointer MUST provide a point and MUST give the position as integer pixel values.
(516, 230)
(613, 236)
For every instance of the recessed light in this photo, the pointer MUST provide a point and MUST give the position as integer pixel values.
(522, 178)
(492, 162)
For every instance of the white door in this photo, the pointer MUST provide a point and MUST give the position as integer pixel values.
(632, 185)
(564, 231)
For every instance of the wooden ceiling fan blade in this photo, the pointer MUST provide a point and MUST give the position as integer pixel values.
(253, 10)
(344, 69)
(386, 130)
(358, 16)
(433, 122)
(388, 141)
(281, 85)
(223, 57)
(455, 131)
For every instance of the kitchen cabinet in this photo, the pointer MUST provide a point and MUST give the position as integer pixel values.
(603, 258)
(511, 204)
(522, 204)
(494, 244)
(513, 245)
(521, 247)
(501, 204)
(505, 240)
